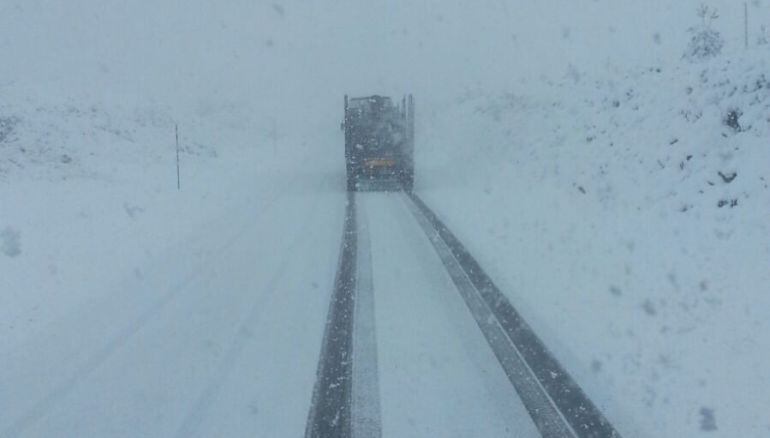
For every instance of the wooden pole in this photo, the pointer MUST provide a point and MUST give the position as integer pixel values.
(275, 137)
(176, 133)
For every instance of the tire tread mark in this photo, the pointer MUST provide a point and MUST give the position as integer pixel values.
(330, 409)
(585, 419)
(545, 416)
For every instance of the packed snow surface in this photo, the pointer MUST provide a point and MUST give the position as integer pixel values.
(615, 190)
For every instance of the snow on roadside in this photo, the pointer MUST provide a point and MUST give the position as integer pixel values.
(88, 196)
(627, 217)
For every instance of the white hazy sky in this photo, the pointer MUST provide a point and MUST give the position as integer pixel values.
(309, 53)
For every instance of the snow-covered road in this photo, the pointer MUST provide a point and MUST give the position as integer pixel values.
(438, 376)
(230, 345)
(405, 354)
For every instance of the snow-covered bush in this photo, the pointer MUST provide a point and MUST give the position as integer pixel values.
(731, 119)
(705, 42)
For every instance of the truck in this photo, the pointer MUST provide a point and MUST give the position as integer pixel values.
(379, 143)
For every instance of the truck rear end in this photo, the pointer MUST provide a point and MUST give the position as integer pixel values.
(379, 143)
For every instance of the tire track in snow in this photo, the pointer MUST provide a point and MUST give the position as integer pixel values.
(346, 399)
(556, 403)
(330, 409)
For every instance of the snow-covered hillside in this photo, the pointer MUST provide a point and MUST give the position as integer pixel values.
(629, 217)
(617, 192)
